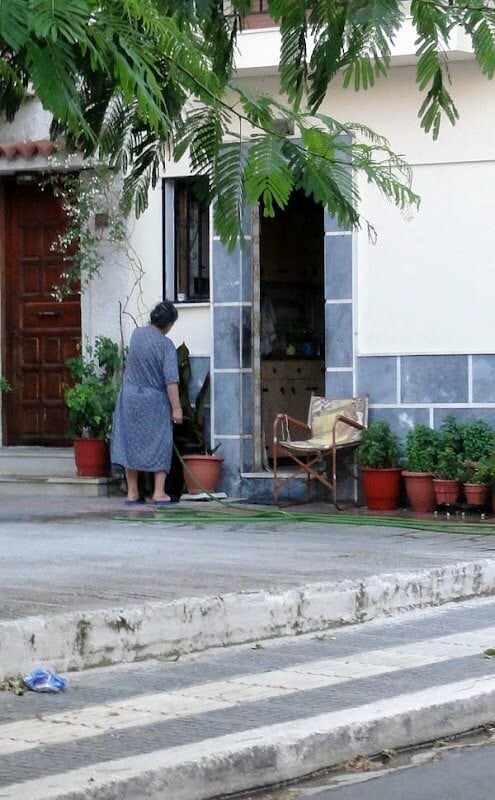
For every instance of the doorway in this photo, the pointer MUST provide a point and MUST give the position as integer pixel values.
(292, 312)
(40, 333)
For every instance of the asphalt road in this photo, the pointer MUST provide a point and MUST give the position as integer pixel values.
(457, 772)
(72, 561)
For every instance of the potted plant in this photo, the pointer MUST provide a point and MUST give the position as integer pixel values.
(91, 402)
(201, 466)
(447, 471)
(478, 440)
(378, 456)
(474, 486)
(485, 474)
(421, 454)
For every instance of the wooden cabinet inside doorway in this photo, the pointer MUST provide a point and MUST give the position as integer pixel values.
(286, 387)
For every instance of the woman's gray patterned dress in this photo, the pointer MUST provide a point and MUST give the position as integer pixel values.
(142, 424)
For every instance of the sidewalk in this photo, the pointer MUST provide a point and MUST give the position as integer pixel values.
(247, 717)
(87, 582)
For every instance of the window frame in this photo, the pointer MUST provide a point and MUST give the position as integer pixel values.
(173, 287)
(259, 18)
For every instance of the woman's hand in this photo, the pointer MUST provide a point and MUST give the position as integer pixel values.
(177, 415)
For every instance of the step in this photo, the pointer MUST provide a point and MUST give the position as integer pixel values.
(52, 461)
(55, 486)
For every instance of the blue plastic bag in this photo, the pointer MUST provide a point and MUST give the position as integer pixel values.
(44, 680)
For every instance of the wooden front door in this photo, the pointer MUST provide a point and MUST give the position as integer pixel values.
(40, 332)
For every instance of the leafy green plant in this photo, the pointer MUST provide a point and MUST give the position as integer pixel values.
(379, 448)
(467, 472)
(450, 434)
(4, 385)
(448, 464)
(485, 471)
(478, 440)
(190, 437)
(421, 449)
(91, 400)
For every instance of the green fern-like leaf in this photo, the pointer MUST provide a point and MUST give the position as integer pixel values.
(267, 174)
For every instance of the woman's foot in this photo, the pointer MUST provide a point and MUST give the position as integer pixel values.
(160, 498)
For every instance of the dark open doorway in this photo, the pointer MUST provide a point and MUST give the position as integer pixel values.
(292, 311)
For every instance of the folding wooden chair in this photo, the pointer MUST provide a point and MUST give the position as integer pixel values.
(333, 425)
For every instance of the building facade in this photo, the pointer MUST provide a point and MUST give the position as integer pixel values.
(305, 307)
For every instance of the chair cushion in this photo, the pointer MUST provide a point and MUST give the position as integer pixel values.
(323, 412)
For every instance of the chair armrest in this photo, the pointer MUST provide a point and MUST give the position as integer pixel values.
(352, 422)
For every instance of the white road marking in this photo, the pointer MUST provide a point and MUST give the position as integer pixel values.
(182, 771)
(150, 709)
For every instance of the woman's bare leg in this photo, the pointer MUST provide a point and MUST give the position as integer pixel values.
(159, 492)
(132, 484)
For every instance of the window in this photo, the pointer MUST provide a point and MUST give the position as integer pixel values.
(258, 17)
(259, 7)
(192, 242)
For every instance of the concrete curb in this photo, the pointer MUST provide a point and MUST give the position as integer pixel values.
(75, 641)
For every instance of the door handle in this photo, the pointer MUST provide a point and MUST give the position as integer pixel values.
(48, 313)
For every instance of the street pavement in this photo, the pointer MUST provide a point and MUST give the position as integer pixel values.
(89, 582)
(62, 554)
(246, 717)
(457, 771)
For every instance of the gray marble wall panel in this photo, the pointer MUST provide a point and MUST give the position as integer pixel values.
(484, 379)
(246, 272)
(464, 415)
(227, 403)
(230, 478)
(331, 223)
(401, 419)
(338, 267)
(377, 376)
(338, 334)
(226, 337)
(226, 274)
(200, 366)
(247, 447)
(257, 490)
(247, 402)
(434, 379)
(338, 384)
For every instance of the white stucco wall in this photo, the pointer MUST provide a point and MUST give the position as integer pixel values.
(428, 284)
(258, 49)
(403, 277)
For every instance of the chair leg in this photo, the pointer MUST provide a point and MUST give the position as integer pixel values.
(334, 477)
(275, 483)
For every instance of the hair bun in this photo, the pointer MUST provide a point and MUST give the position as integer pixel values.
(164, 314)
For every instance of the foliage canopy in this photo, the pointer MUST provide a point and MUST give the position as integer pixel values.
(135, 80)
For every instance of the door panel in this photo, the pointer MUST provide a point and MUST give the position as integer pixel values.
(41, 333)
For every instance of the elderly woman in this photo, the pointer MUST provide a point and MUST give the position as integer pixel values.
(148, 405)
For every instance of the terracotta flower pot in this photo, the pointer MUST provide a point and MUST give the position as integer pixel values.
(475, 493)
(202, 473)
(91, 457)
(381, 488)
(420, 492)
(446, 491)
